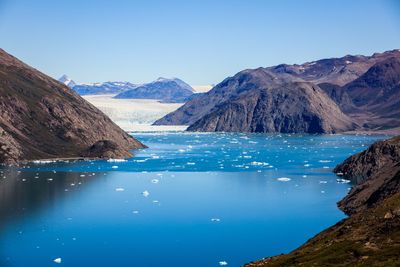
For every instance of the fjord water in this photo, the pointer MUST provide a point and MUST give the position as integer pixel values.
(188, 200)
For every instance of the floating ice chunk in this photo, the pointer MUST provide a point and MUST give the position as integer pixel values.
(215, 219)
(181, 150)
(114, 167)
(343, 181)
(50, 179)
(82, 175)
(324, 161)
(57, 260)
(135, 212)
(283, 179)
(326, 167)
(119, 189)
(145, 193)
(116, 160)
(155, 181)
(307, 165)
(223, 263)
(257, 163)
(323, 192)
(323, 182)
(191, 163)
(43, 161)
(339, 173)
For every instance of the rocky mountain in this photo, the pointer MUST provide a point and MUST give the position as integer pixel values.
(262, 101)
(298, 107)
(42, 118)
(103, 88)
(376, 171)
(251, 101)
(370, 236)
(166, 90)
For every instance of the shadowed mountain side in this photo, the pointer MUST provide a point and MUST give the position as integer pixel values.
(42, 118)
(290, 108)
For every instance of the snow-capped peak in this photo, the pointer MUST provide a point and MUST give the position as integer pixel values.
(67, 81)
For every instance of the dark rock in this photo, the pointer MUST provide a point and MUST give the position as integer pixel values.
(376, 173)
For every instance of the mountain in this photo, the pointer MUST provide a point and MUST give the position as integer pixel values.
(166, 90)
(42, 118)
(261, 100)
(370, 236)
(270, 100)
(67, 81)
(103, 88)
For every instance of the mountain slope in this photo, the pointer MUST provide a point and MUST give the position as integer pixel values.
(341, 79)
(262, 101)
(371, 235)
(167, 90)
(42, 118)
(290, 108)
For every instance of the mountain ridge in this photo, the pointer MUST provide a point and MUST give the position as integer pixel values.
(329, 75)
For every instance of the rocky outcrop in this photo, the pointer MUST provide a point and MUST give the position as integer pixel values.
(376, 173)
(371, 235)
(230, 106)
(42, 118)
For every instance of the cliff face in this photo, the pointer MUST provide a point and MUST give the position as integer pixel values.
(376, 171)
(42, 118)
(289, 108)
(234, 104)
(371, 235)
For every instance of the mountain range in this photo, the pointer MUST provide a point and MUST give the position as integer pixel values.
(163, 89)
(325, 96)
(42, 118)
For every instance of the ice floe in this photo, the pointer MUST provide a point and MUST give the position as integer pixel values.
(283, 179)
(57, 260)
(343, 181)
(116, 160)
(119, 189)
(223, 263)
(145, 193)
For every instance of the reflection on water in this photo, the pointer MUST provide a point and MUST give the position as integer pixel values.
(23, 193)
(210, 198)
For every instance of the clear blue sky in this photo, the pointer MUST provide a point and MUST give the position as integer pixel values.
(201, 41)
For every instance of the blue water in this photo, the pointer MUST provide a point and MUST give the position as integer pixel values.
(212, 197)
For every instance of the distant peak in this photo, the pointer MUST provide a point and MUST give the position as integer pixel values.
(67, 81)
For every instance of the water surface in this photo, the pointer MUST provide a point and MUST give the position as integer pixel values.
(189, 200)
